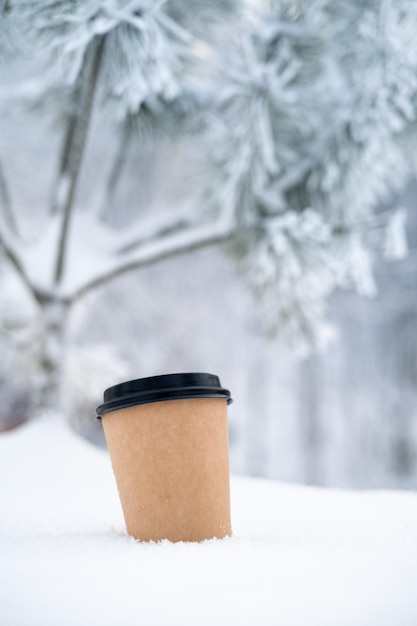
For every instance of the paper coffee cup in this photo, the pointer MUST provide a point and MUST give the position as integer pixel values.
(168, 442)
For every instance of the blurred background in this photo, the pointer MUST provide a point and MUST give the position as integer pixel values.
(344, 415)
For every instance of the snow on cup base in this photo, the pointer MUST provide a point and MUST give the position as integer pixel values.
(168, 442)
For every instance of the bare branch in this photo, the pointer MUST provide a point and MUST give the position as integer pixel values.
(67, 147)
(116, 171)
(77, 144)
(156, 232)
(158, 250)
(15, 261)
(6, 204)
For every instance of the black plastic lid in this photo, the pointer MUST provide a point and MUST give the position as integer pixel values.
(159, 388)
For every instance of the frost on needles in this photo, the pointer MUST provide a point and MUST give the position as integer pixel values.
(302, 117)
(313, 127)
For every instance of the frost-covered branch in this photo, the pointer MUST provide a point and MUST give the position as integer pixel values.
(313, 105)
(153, 251)
(76, 145)
(157, 230)
(303, 131)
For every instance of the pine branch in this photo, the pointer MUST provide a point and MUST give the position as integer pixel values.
(75, 143)
(116, 172)
(6, 205)
(149, 253)
(67, 147)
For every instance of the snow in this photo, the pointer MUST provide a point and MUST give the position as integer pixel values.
(299, 556)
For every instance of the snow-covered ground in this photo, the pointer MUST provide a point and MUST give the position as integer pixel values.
(299, 556)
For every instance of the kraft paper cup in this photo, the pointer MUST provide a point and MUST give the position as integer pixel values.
(168, 442)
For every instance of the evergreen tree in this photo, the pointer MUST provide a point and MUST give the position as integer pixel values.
(304, 122)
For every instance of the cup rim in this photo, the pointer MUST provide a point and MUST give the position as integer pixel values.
(161, 388)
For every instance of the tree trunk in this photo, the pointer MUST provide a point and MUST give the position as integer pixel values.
(50, 356)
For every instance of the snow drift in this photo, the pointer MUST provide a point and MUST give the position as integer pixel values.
(299, 556)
